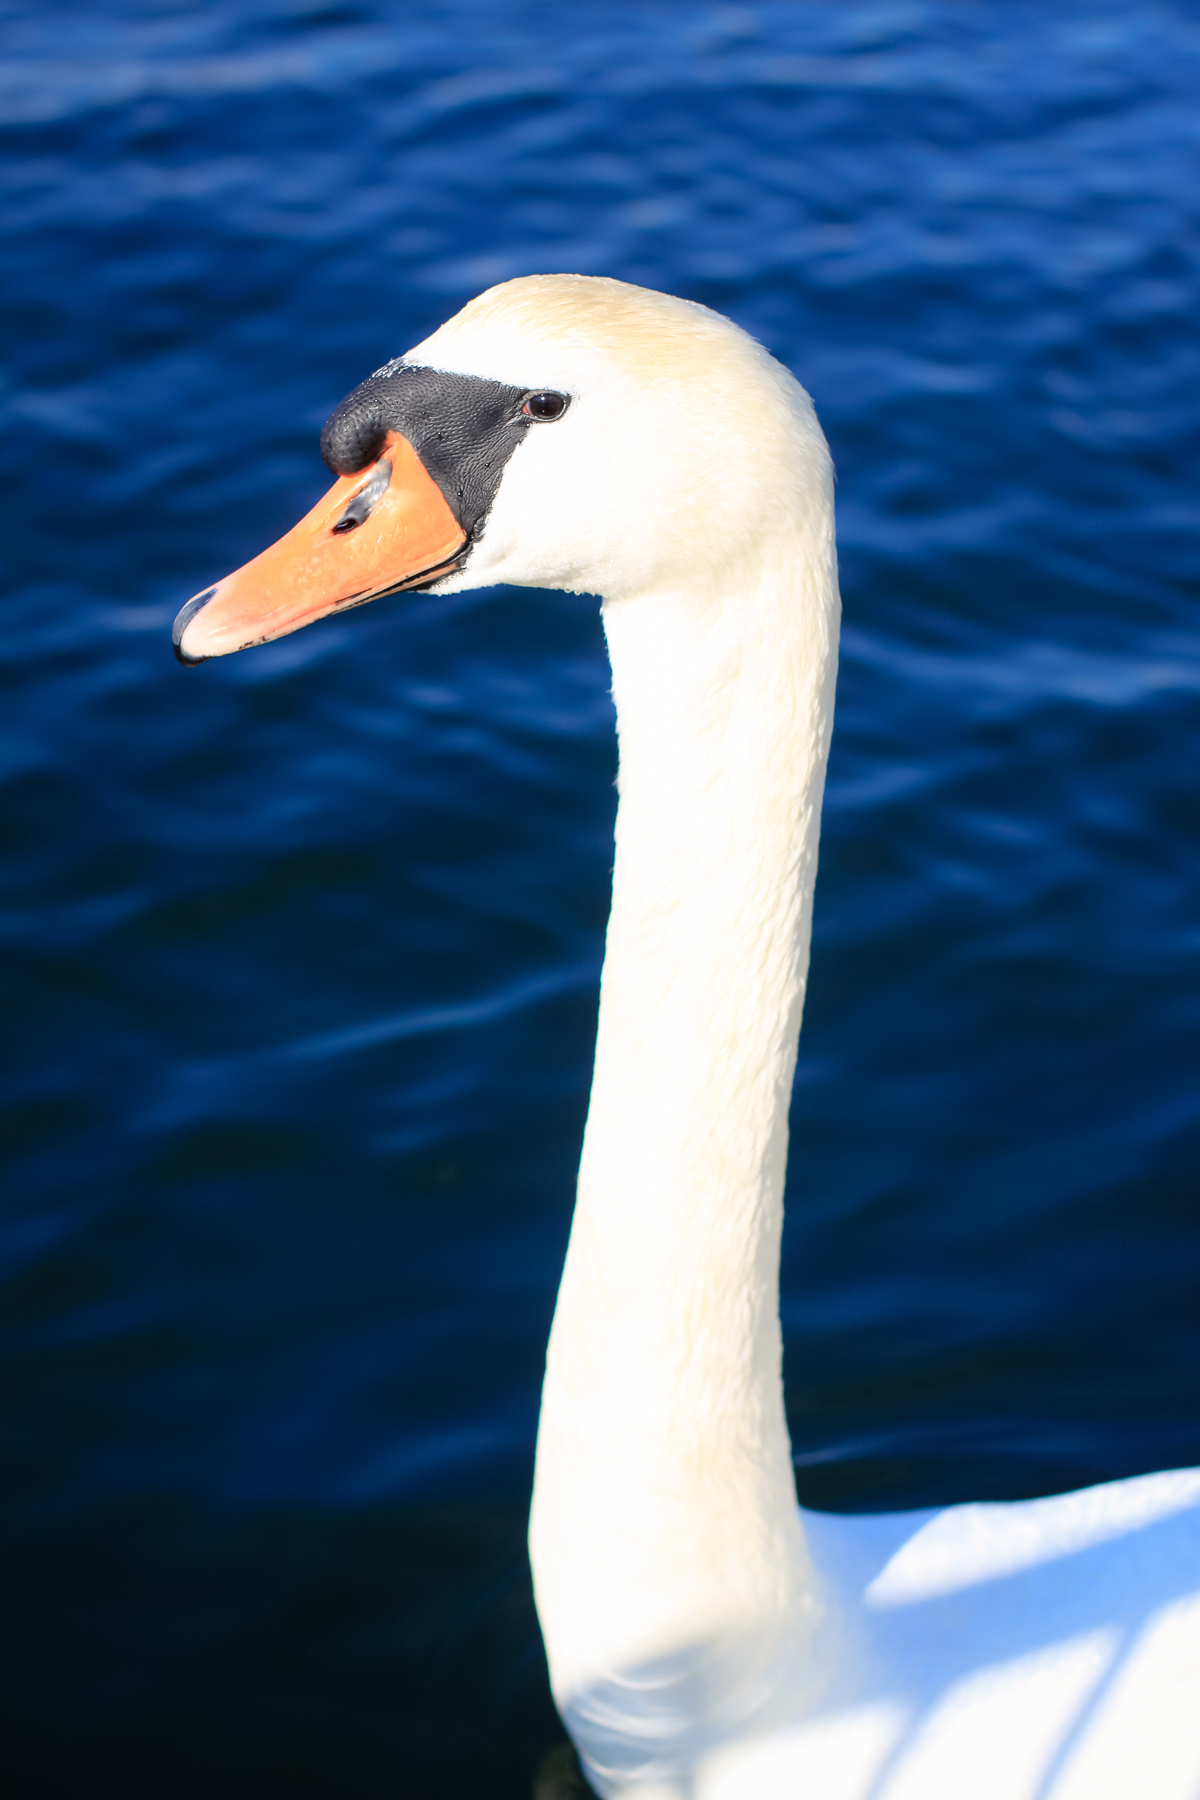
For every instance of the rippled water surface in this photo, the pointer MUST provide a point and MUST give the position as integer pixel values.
(302, 947)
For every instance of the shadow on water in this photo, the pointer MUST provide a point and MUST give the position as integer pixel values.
(285, 1651)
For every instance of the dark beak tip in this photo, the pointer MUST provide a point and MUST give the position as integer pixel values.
(183, 619)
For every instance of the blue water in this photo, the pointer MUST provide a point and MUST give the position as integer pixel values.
(302, 947)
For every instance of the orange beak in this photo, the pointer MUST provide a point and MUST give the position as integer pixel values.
(386, 528)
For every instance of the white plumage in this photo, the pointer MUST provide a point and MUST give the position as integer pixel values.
(707, 1640)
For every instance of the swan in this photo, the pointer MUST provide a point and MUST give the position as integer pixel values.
(706, 1638)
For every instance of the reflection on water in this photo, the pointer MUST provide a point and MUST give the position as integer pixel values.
(304, 946)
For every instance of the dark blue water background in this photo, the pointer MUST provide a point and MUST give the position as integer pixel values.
(302, 947)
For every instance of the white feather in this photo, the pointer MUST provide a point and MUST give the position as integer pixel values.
(705, 1638)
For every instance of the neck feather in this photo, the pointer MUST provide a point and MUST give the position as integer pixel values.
(664, 1506)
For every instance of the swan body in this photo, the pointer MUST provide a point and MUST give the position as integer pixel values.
(707, 1640)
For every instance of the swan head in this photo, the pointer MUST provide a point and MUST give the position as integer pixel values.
(562, 431)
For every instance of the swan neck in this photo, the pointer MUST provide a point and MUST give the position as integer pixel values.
(664, 1505)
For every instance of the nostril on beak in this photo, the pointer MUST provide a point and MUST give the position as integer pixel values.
(183, 619)
(366, 499)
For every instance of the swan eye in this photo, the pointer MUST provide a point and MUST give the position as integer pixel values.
(367, 498)
(545, 406)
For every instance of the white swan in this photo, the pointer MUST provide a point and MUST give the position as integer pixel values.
(706, 1639)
